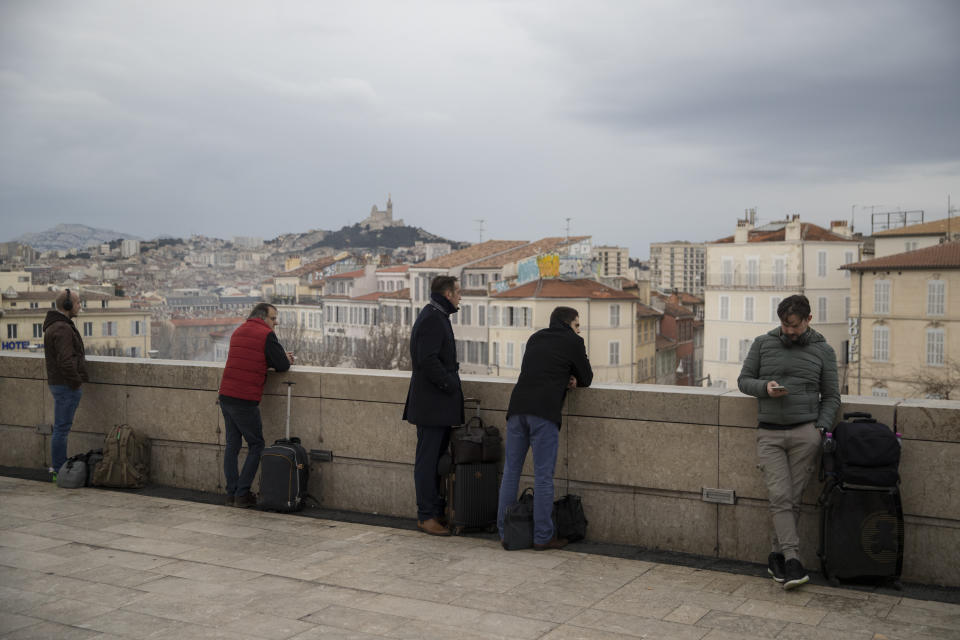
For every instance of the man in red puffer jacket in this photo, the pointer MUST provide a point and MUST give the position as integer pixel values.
(254, 348)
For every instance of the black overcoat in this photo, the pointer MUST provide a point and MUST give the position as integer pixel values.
(434, 397)
(551, 357)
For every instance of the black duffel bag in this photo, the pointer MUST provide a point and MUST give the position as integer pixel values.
(476, 442)
(518, 523)
(569, 521)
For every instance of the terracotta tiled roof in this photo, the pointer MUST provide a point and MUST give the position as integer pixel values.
(935, 227)
(664, 342)
(206, 322)
(474, 293)
(941, 256)
(376, 295)
(646, 311)
(402, 294)
(316, 265)
(349, 274)
(677, 311)
(582, 288)
(809, 232)
(545, 245)
(689, 298)
(397, 268)
(470, 254)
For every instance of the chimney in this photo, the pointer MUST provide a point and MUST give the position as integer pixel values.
(792, 230)
(742, 233)
(841, 228)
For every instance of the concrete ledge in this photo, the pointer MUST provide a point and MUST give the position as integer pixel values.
(638, 454)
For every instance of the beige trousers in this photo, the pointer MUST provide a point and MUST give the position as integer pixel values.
(787, 459)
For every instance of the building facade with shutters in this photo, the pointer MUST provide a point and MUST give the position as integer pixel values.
(905, 324)
(749, 273)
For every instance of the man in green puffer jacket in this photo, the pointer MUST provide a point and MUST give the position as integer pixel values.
(793, 372)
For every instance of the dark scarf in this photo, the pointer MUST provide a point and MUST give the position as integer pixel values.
(440, 302)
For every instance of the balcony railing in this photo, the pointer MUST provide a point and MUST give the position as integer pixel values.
(764, 280)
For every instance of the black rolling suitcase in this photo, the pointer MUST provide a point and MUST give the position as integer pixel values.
(284, 471)
(861, 515)
(472, 485)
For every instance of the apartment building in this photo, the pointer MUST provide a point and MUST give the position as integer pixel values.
(750, 272)
(612, 262)
(608, 322)
(648, 326)
(915, 236)
(678, 266)
(108, 324)
(904, 327)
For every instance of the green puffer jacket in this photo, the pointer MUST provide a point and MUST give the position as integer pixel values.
(808, 369)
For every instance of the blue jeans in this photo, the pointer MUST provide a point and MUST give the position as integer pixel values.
(543, 438)
(65, 403)
(242, 422)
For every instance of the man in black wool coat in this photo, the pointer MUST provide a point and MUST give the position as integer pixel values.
(555, 360)
(435, 399)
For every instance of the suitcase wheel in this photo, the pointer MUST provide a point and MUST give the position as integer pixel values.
(457, 530)
(834, 582)
(491, 528)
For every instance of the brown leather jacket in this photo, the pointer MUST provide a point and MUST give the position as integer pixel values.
(63, 351)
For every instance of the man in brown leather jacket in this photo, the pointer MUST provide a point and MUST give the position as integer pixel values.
(66, 370)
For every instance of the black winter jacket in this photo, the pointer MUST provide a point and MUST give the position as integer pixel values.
(551, 357)
(434, 397)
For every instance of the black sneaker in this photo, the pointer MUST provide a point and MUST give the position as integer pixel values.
(775, 566)
(795, 574)
(245, 501)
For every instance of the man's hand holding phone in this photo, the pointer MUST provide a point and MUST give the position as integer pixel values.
(775, 389)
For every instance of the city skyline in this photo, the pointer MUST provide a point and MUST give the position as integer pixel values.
(642, 122)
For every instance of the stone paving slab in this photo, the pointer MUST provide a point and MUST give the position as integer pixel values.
(90, 563)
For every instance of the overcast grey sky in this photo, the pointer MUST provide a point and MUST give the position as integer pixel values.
(641, 121)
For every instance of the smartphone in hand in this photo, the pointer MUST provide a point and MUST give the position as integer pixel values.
(779, 387)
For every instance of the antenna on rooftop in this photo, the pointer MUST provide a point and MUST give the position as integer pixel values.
(480, 222)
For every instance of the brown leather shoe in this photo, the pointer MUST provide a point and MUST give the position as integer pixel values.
(555, 543)
(433, 527)
(246, 501)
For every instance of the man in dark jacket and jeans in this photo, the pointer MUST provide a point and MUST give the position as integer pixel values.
(793, 372)
(555, 360)
(434, 399)
(254, 348)
(66, 370)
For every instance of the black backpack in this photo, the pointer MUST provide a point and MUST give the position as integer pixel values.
(862, 451)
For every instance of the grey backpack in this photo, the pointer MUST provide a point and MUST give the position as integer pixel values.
(73, 473)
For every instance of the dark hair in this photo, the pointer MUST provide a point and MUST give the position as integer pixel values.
(566, 315)
(261, 310)
(442, 284)
(796, 305)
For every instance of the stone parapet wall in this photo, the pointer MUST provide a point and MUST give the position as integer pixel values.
(638, 454)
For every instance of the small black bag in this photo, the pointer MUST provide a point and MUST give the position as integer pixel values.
(475, 442)
(569, 520)
(518, 523)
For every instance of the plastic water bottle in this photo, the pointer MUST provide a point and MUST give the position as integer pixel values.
(829, 463)
(829, 444)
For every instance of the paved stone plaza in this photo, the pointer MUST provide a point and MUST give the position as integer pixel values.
(91, 563)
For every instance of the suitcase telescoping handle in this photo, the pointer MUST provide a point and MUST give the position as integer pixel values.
(289, 387)
(473, 401)
(858, 414)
